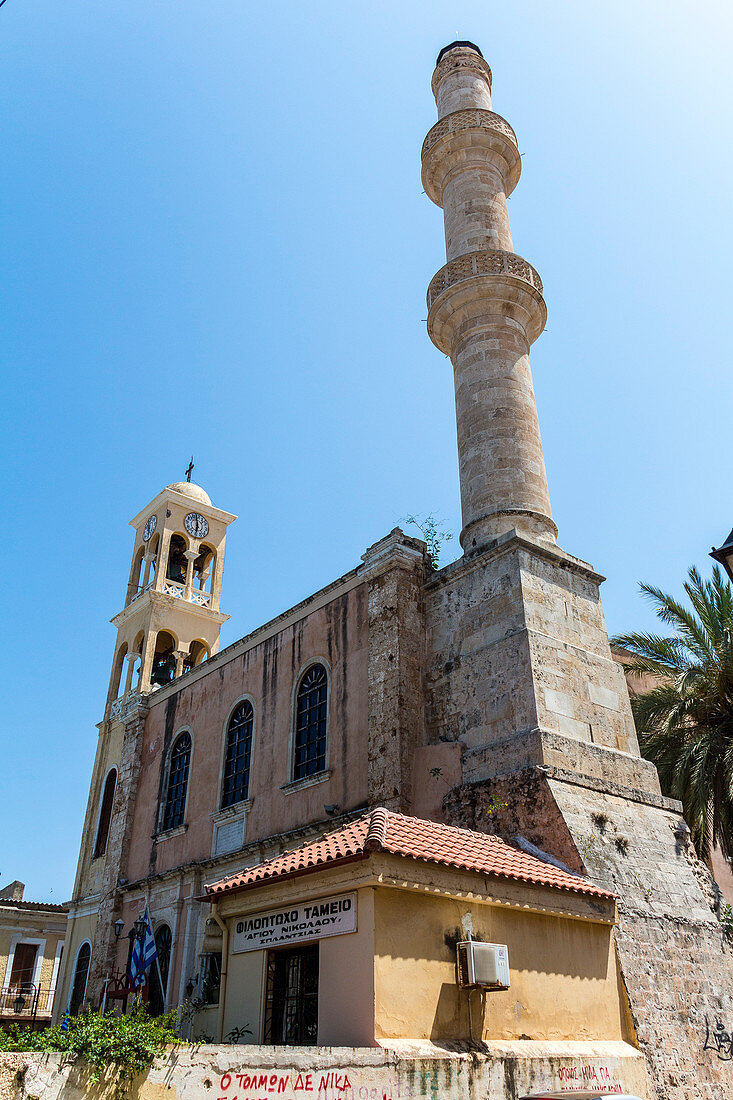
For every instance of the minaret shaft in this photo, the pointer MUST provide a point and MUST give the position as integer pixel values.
(485, 307)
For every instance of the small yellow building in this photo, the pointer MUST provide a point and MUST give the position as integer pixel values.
(352, 941)
(31, 945)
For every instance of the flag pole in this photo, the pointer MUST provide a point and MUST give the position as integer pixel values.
(157, 960)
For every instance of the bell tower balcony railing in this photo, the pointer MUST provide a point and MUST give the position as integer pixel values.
(179, 592)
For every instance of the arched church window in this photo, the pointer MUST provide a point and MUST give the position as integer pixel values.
(311, 720)
(156, 998)
(81, 973)
(105, 815)
(177, 562)
(175, 798)
(239, 750)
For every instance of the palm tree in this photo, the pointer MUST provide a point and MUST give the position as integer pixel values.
(685, 719)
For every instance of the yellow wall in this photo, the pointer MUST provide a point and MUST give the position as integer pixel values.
(564, 983)
(245, 994)
(80, 929)
(345, 985)
(29, 925)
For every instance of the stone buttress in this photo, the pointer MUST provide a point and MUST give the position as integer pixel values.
(519, 673)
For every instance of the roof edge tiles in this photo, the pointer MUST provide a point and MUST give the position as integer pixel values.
(411, 838)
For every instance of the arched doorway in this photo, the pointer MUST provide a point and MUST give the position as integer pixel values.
(156, 1000)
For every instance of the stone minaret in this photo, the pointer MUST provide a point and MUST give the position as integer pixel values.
(485, 306)
(521, 686)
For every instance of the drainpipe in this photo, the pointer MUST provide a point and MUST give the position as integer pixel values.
(224, 967)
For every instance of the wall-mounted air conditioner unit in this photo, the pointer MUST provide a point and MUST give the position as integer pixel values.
(483, 964)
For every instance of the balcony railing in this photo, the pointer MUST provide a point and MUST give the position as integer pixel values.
(178, 591)
(139, 593)
(173, 588)
(25, 1001)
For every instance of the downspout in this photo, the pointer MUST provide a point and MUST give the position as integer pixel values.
(224, 968)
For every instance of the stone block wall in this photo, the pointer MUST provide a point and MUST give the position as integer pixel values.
(517, 641)
(674, 956)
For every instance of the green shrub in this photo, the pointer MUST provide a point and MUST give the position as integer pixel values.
(122, 1046)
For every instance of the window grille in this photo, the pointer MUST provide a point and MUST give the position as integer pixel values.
(175, 801)
(310, 723)
(239, 750)
(291, 1005)
(210, 977)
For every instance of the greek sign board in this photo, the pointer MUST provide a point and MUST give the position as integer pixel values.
(308, 920)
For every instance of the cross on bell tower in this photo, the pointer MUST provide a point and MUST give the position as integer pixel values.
(171, 619)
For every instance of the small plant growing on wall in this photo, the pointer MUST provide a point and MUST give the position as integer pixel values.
(116, 1048)
(433, 533)
(726, 919)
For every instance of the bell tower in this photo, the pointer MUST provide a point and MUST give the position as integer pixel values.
(171, 619)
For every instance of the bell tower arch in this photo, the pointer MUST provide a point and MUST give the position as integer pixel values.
(172, 615)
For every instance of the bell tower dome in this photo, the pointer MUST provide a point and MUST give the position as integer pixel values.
(171, 619)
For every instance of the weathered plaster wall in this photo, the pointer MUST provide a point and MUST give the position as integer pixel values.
(267, 673)
(564, 983)
(23, 925)
(414, 1071)
(346, 962)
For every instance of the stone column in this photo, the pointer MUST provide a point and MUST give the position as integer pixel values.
(485, 307)
(190, 556)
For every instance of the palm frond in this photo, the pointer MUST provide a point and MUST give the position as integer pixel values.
(685, 720)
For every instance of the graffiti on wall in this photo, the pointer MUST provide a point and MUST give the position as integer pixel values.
(719, 1040)
(345, 1084)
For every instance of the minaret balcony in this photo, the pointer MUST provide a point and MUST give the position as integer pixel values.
(469, 139)
(483, 284)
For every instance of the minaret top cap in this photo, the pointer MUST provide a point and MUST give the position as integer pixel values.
(456, 59)
(454, 46)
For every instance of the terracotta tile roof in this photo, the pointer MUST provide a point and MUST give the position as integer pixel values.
(413, 838)
(33, 906)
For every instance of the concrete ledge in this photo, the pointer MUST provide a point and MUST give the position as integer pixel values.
(404, 1070)
(574, 761)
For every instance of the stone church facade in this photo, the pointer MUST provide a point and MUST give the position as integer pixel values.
(482, 695)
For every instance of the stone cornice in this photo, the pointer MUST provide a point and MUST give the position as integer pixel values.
(396, 550)
(507, 544)
(162, 602)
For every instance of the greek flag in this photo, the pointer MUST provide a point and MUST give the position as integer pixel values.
(144, 953)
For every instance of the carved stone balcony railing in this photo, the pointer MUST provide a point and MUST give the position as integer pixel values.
(464, 120)
(178, 591)
(487, 262)
(173, 588)
(119, 707)
(139, 593)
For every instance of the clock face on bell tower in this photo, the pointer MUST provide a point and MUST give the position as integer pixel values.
(196, 525)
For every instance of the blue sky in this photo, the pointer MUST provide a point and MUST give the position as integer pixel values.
(214, 241)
